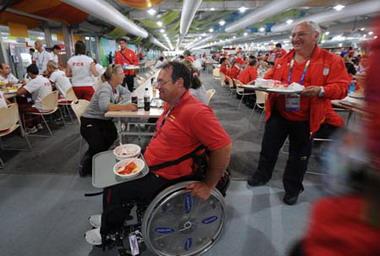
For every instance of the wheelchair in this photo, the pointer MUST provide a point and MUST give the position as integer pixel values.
(174, 223)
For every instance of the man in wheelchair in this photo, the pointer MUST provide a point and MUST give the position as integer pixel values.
(186, 128)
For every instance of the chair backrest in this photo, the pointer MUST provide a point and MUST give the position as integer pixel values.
(70, 95)
(216, 72)
(210, 94)
(9, 116)
(79, 107)
(50, 102)
(261, 97)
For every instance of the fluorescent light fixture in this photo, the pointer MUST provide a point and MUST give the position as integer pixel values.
(245, 34)
(262, 29)
(338, 7)
(340, 44)
(362, 29)
(289, 21)
(159, 23)
(162, 30)
(327, 33)
(212, 9)
(151, 11)
(222, 22)
(370, 33)
(204, 34)
(211, 30)
(242, 9)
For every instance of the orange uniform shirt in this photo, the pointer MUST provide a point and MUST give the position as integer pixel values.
(126, 57)
(189, 124)
(247, 75)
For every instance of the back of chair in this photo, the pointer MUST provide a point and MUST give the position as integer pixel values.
(216, 72)
(50, 102)
(210, 94)
(70, 95)
(261, 97)
(79, 107)
(9, 116)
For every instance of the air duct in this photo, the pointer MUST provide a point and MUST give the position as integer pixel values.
(106, 12)
(197, 43)
(348, 12)
(262, 13)
(158, 43)
(189, 9)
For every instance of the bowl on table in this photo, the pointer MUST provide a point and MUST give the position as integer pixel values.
(129, 167)
(124, 151)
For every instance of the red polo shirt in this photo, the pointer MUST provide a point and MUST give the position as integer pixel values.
(127, 56)
(233, 72)
(188, 125)
(247, 75)
(223, 69)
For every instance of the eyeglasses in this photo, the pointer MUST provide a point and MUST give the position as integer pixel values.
(300, 34)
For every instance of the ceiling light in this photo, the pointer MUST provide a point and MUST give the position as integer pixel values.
(234, 37)
(338, 7)
(204, 34)
(362, 29)
(375, 37)
(222, 22)
(211, 30)
(162, 30)
(159, 23)
(262, 29)
(245, 34)
(212, 9)
(151, 11)
(370, 33)
(289, 21)
(327, 33)
(242, 9)
(340, 44)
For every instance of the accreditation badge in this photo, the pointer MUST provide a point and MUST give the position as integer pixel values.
(326, 71)
(292, 102)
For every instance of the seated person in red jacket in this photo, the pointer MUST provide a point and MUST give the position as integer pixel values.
(249, 74)
(234, 71)
(224, 66)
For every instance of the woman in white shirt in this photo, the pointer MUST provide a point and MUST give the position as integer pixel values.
(58, 78)
(81, 68)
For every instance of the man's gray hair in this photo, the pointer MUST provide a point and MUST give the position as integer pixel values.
(313, 25)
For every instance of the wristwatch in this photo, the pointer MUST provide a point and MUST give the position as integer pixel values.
(321, 92)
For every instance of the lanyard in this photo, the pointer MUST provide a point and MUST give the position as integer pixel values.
(290, 74)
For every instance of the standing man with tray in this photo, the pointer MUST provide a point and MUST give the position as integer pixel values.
(325, 78)
(126, 57)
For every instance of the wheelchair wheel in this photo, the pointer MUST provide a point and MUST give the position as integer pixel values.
(176, 223)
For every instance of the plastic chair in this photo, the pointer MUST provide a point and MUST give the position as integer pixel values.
(261, 98)
(66, 101)
(10, 121)
(240, 91)
(216, 73)
(210, 94)
(79, 107)
(49, 106)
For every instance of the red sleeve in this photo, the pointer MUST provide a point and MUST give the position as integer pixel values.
(337, 80)
(207, 128)
(269, 74)
(243, 77)
(118, 59)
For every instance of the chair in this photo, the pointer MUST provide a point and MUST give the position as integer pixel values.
(10, 121)
(79, 107)
(210, 94)
(261, 98)
(216, 73)
(66, 102)
(240, 91)
(49, 106)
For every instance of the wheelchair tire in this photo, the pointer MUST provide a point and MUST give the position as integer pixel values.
(176, 223)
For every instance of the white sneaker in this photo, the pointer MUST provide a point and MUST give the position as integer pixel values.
(93, 236)
(31, 130)
(39, 126)
(95, 220)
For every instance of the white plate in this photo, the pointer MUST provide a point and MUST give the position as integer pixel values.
(140, 166)
(280, 90)
(126, 151)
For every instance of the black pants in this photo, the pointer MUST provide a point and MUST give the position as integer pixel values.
(116, 199)
(100, 135)
(277, 129)
(129, 81)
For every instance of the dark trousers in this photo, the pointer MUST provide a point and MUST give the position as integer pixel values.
(277, 129)
(116, 199)
(129, 81)
(100, 135)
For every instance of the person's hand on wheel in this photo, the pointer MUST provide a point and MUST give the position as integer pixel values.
(199, 189)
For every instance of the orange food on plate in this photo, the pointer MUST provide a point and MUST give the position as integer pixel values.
(128, 169)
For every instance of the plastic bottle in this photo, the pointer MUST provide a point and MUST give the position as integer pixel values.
(146, 100)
